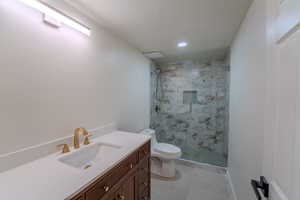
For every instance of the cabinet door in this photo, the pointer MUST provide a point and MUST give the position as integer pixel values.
(111, 196)
(129, 189)
(144, 176)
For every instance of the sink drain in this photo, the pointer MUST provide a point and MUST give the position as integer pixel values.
(87, 166)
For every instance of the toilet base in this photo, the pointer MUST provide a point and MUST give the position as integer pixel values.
(164, 168)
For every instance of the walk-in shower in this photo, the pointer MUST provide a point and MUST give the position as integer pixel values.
(190, 109)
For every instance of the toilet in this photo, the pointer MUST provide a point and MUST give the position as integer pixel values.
(163, 156)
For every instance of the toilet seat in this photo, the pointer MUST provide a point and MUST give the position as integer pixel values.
(167, 150)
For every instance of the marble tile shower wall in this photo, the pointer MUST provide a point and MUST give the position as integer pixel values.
(190, 109)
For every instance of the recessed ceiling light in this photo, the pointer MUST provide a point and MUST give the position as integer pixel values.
(182, 44)
(153, 54)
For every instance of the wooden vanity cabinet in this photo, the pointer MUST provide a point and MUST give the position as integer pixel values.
(129, 180)
(128, 190)
(80, 198)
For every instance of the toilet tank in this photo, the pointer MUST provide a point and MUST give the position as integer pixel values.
(151, 133)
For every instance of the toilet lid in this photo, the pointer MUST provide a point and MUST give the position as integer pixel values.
(166, 148)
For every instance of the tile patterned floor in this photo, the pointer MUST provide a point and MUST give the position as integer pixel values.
(193, 183)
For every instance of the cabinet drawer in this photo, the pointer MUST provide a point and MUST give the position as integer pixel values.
(145, 195)
(103, 186)
(145, 151)
(144, 175)
(144, 182)
(145, 166)
(130, 162)
(125, 167)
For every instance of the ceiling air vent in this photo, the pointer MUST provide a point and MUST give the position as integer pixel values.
(153, 54)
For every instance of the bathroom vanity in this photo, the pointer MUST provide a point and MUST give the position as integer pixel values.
(129, 180)
(114, 166)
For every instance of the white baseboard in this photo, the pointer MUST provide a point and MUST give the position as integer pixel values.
(29, 154)
(276, 192)
(231, 185)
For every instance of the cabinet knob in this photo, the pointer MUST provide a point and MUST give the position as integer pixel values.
(145, 183)
(121, 197)
(131, 166)
(106, 188)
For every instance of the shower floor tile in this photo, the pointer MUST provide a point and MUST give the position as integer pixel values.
(192, 183)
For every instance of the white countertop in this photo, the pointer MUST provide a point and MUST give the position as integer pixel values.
(49, 179)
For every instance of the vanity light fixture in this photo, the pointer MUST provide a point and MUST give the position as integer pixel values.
(182, 44)
(53, 15)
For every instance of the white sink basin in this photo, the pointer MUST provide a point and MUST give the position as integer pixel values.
(85, 157)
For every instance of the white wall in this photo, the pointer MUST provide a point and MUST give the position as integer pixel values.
(247, 98)
(54, 80)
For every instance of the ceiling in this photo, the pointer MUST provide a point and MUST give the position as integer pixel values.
(209, 26)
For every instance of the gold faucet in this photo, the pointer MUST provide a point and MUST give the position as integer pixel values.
(77, 133)
(65, 149)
